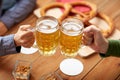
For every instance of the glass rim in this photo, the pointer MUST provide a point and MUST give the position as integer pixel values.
(23, 61)
(72, 19)
(48, 18)
(75, 21)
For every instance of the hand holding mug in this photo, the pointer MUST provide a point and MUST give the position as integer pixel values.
(24, 36)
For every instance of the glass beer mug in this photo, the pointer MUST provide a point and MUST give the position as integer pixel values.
(47, 35)
(70, 44)
(71, 36)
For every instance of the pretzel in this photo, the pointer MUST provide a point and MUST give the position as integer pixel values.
(109, 21)
(66, 6)
(84, 16)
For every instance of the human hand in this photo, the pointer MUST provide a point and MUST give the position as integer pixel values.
(3, 29)
(24, 36)
(93, 37)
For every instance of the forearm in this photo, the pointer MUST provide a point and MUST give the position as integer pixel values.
(113, 49)
(7, 45)
(18, 12)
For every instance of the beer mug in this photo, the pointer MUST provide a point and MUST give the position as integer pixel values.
(71, 36)
(47, 35)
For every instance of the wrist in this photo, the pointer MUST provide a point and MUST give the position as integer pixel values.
(104, 47)
(16, 41)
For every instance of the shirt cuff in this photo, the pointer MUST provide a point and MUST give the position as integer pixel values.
(113, 49)
(18, 49)
(8, 45)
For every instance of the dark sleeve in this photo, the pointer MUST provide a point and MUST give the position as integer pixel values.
(7, 45)
(113, 49)
(18, 12)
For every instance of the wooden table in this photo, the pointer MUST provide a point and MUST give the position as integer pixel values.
(95, 67)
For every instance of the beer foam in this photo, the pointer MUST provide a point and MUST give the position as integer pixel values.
(72, 29)
(47, 26)
(44, 27)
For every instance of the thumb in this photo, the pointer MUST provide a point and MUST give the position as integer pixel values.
(91, 29)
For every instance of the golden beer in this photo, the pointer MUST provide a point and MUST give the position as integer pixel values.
(71, 37)
(47, 35)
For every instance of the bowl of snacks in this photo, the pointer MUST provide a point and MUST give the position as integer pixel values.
(22, 70)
